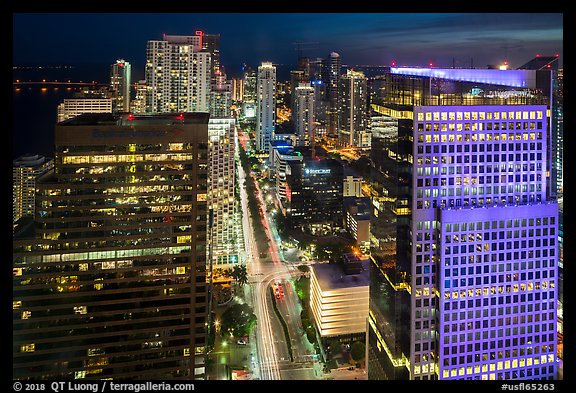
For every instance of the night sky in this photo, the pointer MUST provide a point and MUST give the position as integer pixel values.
(375, 39)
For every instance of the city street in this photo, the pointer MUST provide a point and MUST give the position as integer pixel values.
(273, 360)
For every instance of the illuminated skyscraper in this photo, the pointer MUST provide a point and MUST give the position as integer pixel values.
(238, 89)
(221, 97)
(353, 110)
(138, 104)
(110, 281)
(120, 80)
(211, 44)
(178, 75)
(304, 114)
(25, 170)
(334, 65)
(266, 106)
(296, 77)
(558, 151)
(464, 284)
(221, 185)
(250, 93)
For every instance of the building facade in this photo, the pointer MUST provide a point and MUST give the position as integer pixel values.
(353, 121)
(334, 70)
(238, 89)
(138, 104)
(339, 298)
(211, 43)
(110, 281)
(352, 184)
(357, 221)
(221, 198)
(72, 107)
(314, 195)
(221, 97)
(249, 101)
(120, 85)
(304, 121)
(178, 75)
(25, 170)
(266, 106)
(473, 293)
(281, 154)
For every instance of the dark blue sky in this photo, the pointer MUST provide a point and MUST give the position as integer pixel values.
(376, 38)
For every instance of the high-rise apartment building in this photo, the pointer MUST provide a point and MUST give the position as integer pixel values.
(266, 106)
(221, 97)
(304, 121)
(296, 77)
(211, 43)
(238, 89)
(25, 170)
(72, 107)
(334, 67)
(178, 74)
(120, 80)
(110, 281)
(353, 110)
(464, 282)
(221, 198)
(138, 104)
(249, 101)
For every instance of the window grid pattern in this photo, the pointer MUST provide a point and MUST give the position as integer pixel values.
(498, 296)
(480, 156)
(479, 159)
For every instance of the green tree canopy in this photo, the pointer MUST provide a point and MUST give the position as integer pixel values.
(332, 251)
(238, 320)
(240, 274)
(358, 351)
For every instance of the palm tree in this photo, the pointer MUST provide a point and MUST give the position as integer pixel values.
(240, 274)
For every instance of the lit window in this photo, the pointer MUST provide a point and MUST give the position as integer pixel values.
(80, 309)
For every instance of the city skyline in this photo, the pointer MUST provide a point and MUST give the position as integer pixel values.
(443, 39)
(181, 230)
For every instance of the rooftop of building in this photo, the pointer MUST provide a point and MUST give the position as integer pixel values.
(541, 63)
(524, 78)
(332, 276)
(360, 206)
(323, 162)
(127, 119)
(30, 160)
(288, 150)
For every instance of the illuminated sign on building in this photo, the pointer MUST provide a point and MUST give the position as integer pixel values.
(316, 171)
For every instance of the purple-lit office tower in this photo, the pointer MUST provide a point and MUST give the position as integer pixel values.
(464, 274)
